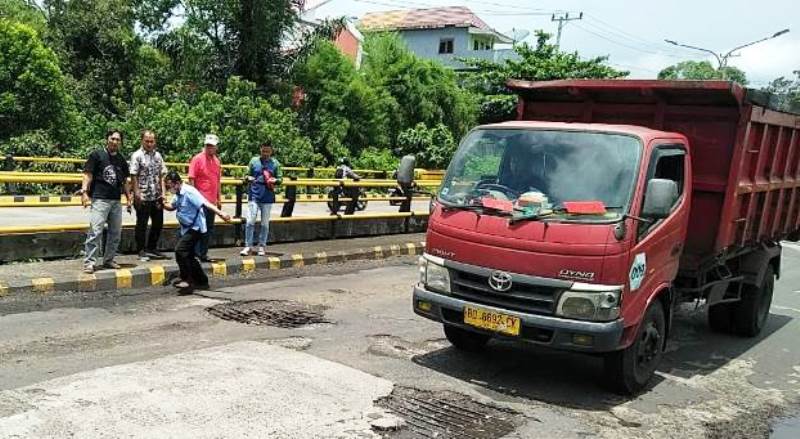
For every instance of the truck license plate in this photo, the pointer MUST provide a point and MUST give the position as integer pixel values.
(493, 321)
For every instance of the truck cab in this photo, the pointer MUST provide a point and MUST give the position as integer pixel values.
(573, 234)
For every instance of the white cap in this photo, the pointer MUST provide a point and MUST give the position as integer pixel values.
(211, 139)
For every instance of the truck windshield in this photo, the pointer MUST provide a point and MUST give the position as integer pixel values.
(537, 171)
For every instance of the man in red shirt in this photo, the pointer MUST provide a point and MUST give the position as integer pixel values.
(205, 174)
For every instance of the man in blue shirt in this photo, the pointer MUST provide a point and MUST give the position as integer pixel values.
(189, 207)
(264, 172)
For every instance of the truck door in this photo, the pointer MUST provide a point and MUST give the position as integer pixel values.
(656, 254)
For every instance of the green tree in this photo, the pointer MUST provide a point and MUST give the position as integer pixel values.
(32, 93)
(24, 11)
(434, 147)
(416, 90)
(240, 117)
(541, 62)
(786, 92)
(97, 43)
(342, 114)
(702, 70)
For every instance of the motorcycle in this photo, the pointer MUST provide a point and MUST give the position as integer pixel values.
(361, 204)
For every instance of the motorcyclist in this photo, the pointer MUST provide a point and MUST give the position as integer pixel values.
(345, 171)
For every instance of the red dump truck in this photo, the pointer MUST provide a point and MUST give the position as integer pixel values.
(583, 224)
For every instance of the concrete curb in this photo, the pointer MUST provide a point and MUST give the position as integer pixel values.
(162, 274)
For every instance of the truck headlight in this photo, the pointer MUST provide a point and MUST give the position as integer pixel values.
(590, 302)
(433, 274)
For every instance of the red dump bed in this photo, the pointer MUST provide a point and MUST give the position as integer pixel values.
(745, 156)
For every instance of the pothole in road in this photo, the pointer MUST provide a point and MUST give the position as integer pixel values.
(444, 415)
(749, 424)
(280, 313)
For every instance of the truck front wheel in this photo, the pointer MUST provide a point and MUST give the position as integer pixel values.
(629, 370)
(465, 340)
(751, 312)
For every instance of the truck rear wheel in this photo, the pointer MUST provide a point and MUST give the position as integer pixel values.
(719, 317)
(629, 370)
(465, 340)
(751, 312)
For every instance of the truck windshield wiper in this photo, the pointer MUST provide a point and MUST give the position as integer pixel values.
(549, 212)
(474, 207)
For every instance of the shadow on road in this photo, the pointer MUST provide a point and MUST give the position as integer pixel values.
(576, 380)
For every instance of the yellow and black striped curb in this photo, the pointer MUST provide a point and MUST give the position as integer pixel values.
(161, 274)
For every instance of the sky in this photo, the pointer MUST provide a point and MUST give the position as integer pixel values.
(632, 32)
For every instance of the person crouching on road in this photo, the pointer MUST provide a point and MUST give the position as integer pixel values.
(147, 178)
(264, 172)
(190, 209)
(105, 177)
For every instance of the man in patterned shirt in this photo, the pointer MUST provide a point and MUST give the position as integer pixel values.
(147, 173)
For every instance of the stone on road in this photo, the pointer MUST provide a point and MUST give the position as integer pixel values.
(244, 389)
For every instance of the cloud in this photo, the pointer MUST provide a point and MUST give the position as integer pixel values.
(761, 63)
(768, 60)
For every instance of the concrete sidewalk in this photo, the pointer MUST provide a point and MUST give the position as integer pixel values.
(66, 275)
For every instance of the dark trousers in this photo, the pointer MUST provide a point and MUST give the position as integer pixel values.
(352, 193)
(190, 269)
(202, 245)
(347, 192)
(148, 210)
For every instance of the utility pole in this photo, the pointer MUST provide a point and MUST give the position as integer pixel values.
(562, 21)
(722, 58)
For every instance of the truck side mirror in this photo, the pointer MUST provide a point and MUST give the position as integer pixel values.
(661, 195)
(405, 172)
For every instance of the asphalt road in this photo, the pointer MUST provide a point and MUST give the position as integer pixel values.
(21, 216)
(153, 364)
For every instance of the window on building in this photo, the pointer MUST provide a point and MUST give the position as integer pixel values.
(481, 45)
(446, 45)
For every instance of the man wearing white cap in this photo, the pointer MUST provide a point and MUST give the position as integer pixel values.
(205, 174)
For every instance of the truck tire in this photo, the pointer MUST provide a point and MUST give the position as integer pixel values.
(750, 314)
(465, 340)
(628, 371)
(719, 317)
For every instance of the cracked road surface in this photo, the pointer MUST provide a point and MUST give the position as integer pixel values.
(153, 364)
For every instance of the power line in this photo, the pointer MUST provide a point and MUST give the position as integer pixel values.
(605, 27)
(628, 46)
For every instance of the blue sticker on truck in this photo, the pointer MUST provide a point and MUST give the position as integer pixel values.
(638, 271)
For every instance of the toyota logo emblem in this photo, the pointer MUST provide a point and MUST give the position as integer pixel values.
(500, 281)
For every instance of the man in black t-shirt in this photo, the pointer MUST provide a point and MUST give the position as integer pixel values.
(104, 181)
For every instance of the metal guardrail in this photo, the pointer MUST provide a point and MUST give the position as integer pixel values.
(82, 227)
(74, 201)
(310, 172)
(290, 185)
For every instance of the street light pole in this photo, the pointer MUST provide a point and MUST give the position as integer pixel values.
(722, 59)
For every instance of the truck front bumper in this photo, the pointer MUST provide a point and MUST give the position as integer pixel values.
(554, 332)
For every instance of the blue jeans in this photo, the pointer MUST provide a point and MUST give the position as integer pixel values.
(252, 211)
(103, 212)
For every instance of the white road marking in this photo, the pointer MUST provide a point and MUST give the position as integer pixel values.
(786, 308)
(245, 389)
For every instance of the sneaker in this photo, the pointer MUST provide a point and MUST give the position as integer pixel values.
(112, 265)
(261, 251)
(245, 251)
(143, 257)
(88, 269)
(155, 254)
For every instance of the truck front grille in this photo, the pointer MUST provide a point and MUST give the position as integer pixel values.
(523, 296)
